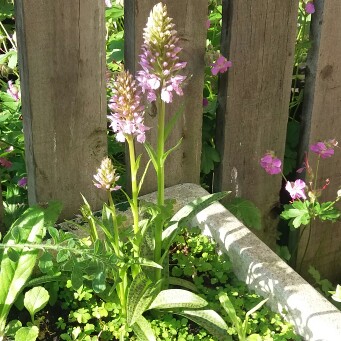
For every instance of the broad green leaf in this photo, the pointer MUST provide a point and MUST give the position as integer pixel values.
(177, 298)
(140, 294)
(12, 327)
(209, 320)
(143, 330)
(209, 156)
(98, 283)
(184, 216)
(29, 228)
(27, 334)
(297, 213)
(35, 300)
(6, 9)
(246, 211)
(52, 212)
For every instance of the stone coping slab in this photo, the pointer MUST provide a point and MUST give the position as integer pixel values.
(313, 316)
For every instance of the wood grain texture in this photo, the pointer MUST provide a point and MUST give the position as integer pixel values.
(190, 17)
(62, 65)
(258, 37)
(322, 121)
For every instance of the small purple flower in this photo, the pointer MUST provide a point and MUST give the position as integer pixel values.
(271, 164)
(208, 23)
(159, 59)
(108, 3)
(127, 113)
(296, 189)
(22, 182)
(106, 176)
(204, 102)
(322, 150)
(310, 7)
(221, 65)
(5, 163)
(13, 91)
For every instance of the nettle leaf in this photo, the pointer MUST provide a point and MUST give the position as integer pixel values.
(35, 300)
(177, 298)
(246, 211)
(297, 213)
(210, 320)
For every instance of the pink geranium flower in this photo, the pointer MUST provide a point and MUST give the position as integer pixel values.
(5, 163)
(221, 65)
(310, 7)
(271, 164)
(296, 189)
(322, 150)
(208, 23)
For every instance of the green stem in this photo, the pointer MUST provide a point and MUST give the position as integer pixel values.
(160, 171)
(134, 190)
(317, 169)
(122, 286)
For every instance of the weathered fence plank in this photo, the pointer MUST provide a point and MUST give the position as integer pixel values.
(62, 67)
(322, 121)
(190, 17)
(259, 38)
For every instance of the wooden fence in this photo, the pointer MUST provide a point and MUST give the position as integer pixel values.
(62, 69)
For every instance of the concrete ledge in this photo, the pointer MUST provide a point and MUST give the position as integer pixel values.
(263, 271)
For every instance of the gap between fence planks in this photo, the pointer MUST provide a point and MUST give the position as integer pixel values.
(259, 38)
(61, 48)
(190, 18)
(322, 121)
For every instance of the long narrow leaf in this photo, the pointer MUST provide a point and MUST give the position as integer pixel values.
(143, 330)
(174, 118)
(165, 155)
(151, 153)
(229, 308)
(209, 320)
(143, 176)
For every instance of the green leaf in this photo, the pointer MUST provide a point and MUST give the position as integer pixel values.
(143, 330)
(172, 121)
(151, 153)
(254, 337)
(165, 155)
(27, 334)
(246, 211)
(52, 212)
(297, 213)
(140, 294)
(6, 9)
(12, 327)
(98, 283)
(29, 228)
(177, 298)
(209, 157)
(229, 308)
(209, 320)
(184, 216)
(182, 283)
(35, 300)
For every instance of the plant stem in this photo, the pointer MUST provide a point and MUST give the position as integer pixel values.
(306, 247)
(122, 286)
(134, 191)
(160, 171)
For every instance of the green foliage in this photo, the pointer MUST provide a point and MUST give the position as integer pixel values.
(35, 300)
(246, 211)
(297, 213)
